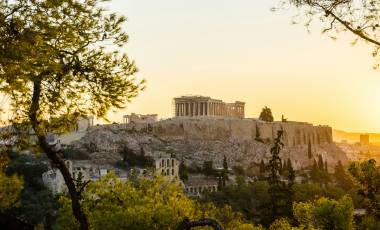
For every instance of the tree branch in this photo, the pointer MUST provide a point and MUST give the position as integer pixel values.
(347, 26)
(53, 156)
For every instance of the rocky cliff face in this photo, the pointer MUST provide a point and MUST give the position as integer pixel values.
(243, 142)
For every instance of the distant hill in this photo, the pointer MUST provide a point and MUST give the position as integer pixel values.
(339, 135)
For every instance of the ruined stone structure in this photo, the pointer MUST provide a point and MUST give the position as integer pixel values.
(139, 118)
(167, 167)
(190, 106)
(84, 123)
(198, 184)
(85, 169)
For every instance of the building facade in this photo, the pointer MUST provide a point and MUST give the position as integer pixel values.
(167, 167)
(190, 106)
(198, 184)
(139, 118)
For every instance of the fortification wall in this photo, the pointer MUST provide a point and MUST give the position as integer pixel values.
(229, 129)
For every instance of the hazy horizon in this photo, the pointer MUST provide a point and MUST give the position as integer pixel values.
(240, 50)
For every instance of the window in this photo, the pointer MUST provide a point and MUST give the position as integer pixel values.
(173, 172)
(167, 163)
(172, 162)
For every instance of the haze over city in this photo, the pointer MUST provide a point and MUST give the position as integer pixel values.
(240, 50)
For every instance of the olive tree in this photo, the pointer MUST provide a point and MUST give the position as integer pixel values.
(61, 60)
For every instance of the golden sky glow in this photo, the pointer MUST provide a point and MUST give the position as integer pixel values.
(240, 50)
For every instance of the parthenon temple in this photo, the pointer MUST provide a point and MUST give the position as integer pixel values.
(189, 106)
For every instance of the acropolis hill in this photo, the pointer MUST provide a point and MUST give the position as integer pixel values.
(208, 129)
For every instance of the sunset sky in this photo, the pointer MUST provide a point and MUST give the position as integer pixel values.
(240, 50)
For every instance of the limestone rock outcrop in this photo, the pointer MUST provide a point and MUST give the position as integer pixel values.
(243, 141)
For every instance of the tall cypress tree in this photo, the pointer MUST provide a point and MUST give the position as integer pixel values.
(278, 204)
(309, 153)
(321, 165)
(225, 169)
(183, 171)
(290, 190)
(262, 166)
(314, 172)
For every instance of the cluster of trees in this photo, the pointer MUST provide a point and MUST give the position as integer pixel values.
(29, 200)
(319, 172)
(58, 62)
(143, 204)
(11, 187)
(132, 159)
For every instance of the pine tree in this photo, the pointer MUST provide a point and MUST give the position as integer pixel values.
(257, 138)
(55, 71)
(314, 172)
(225, 169)
(266, 115)
(262, 166)
(183, 171)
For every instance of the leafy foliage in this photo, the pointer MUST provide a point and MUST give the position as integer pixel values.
(208, 168)
(61, 60)
(360, 18)
(342, 178)
(10, 187)
(158, 204)
(266, 114)
(37, 203)
(66, 47)
(367, 175)
(132, 159)
(183, 171)
(319, 173)
(325, 214)
(280, 193)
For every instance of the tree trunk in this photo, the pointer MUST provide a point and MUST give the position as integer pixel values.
(54, 157)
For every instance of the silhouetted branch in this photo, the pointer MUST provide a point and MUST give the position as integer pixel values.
(186, 224)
